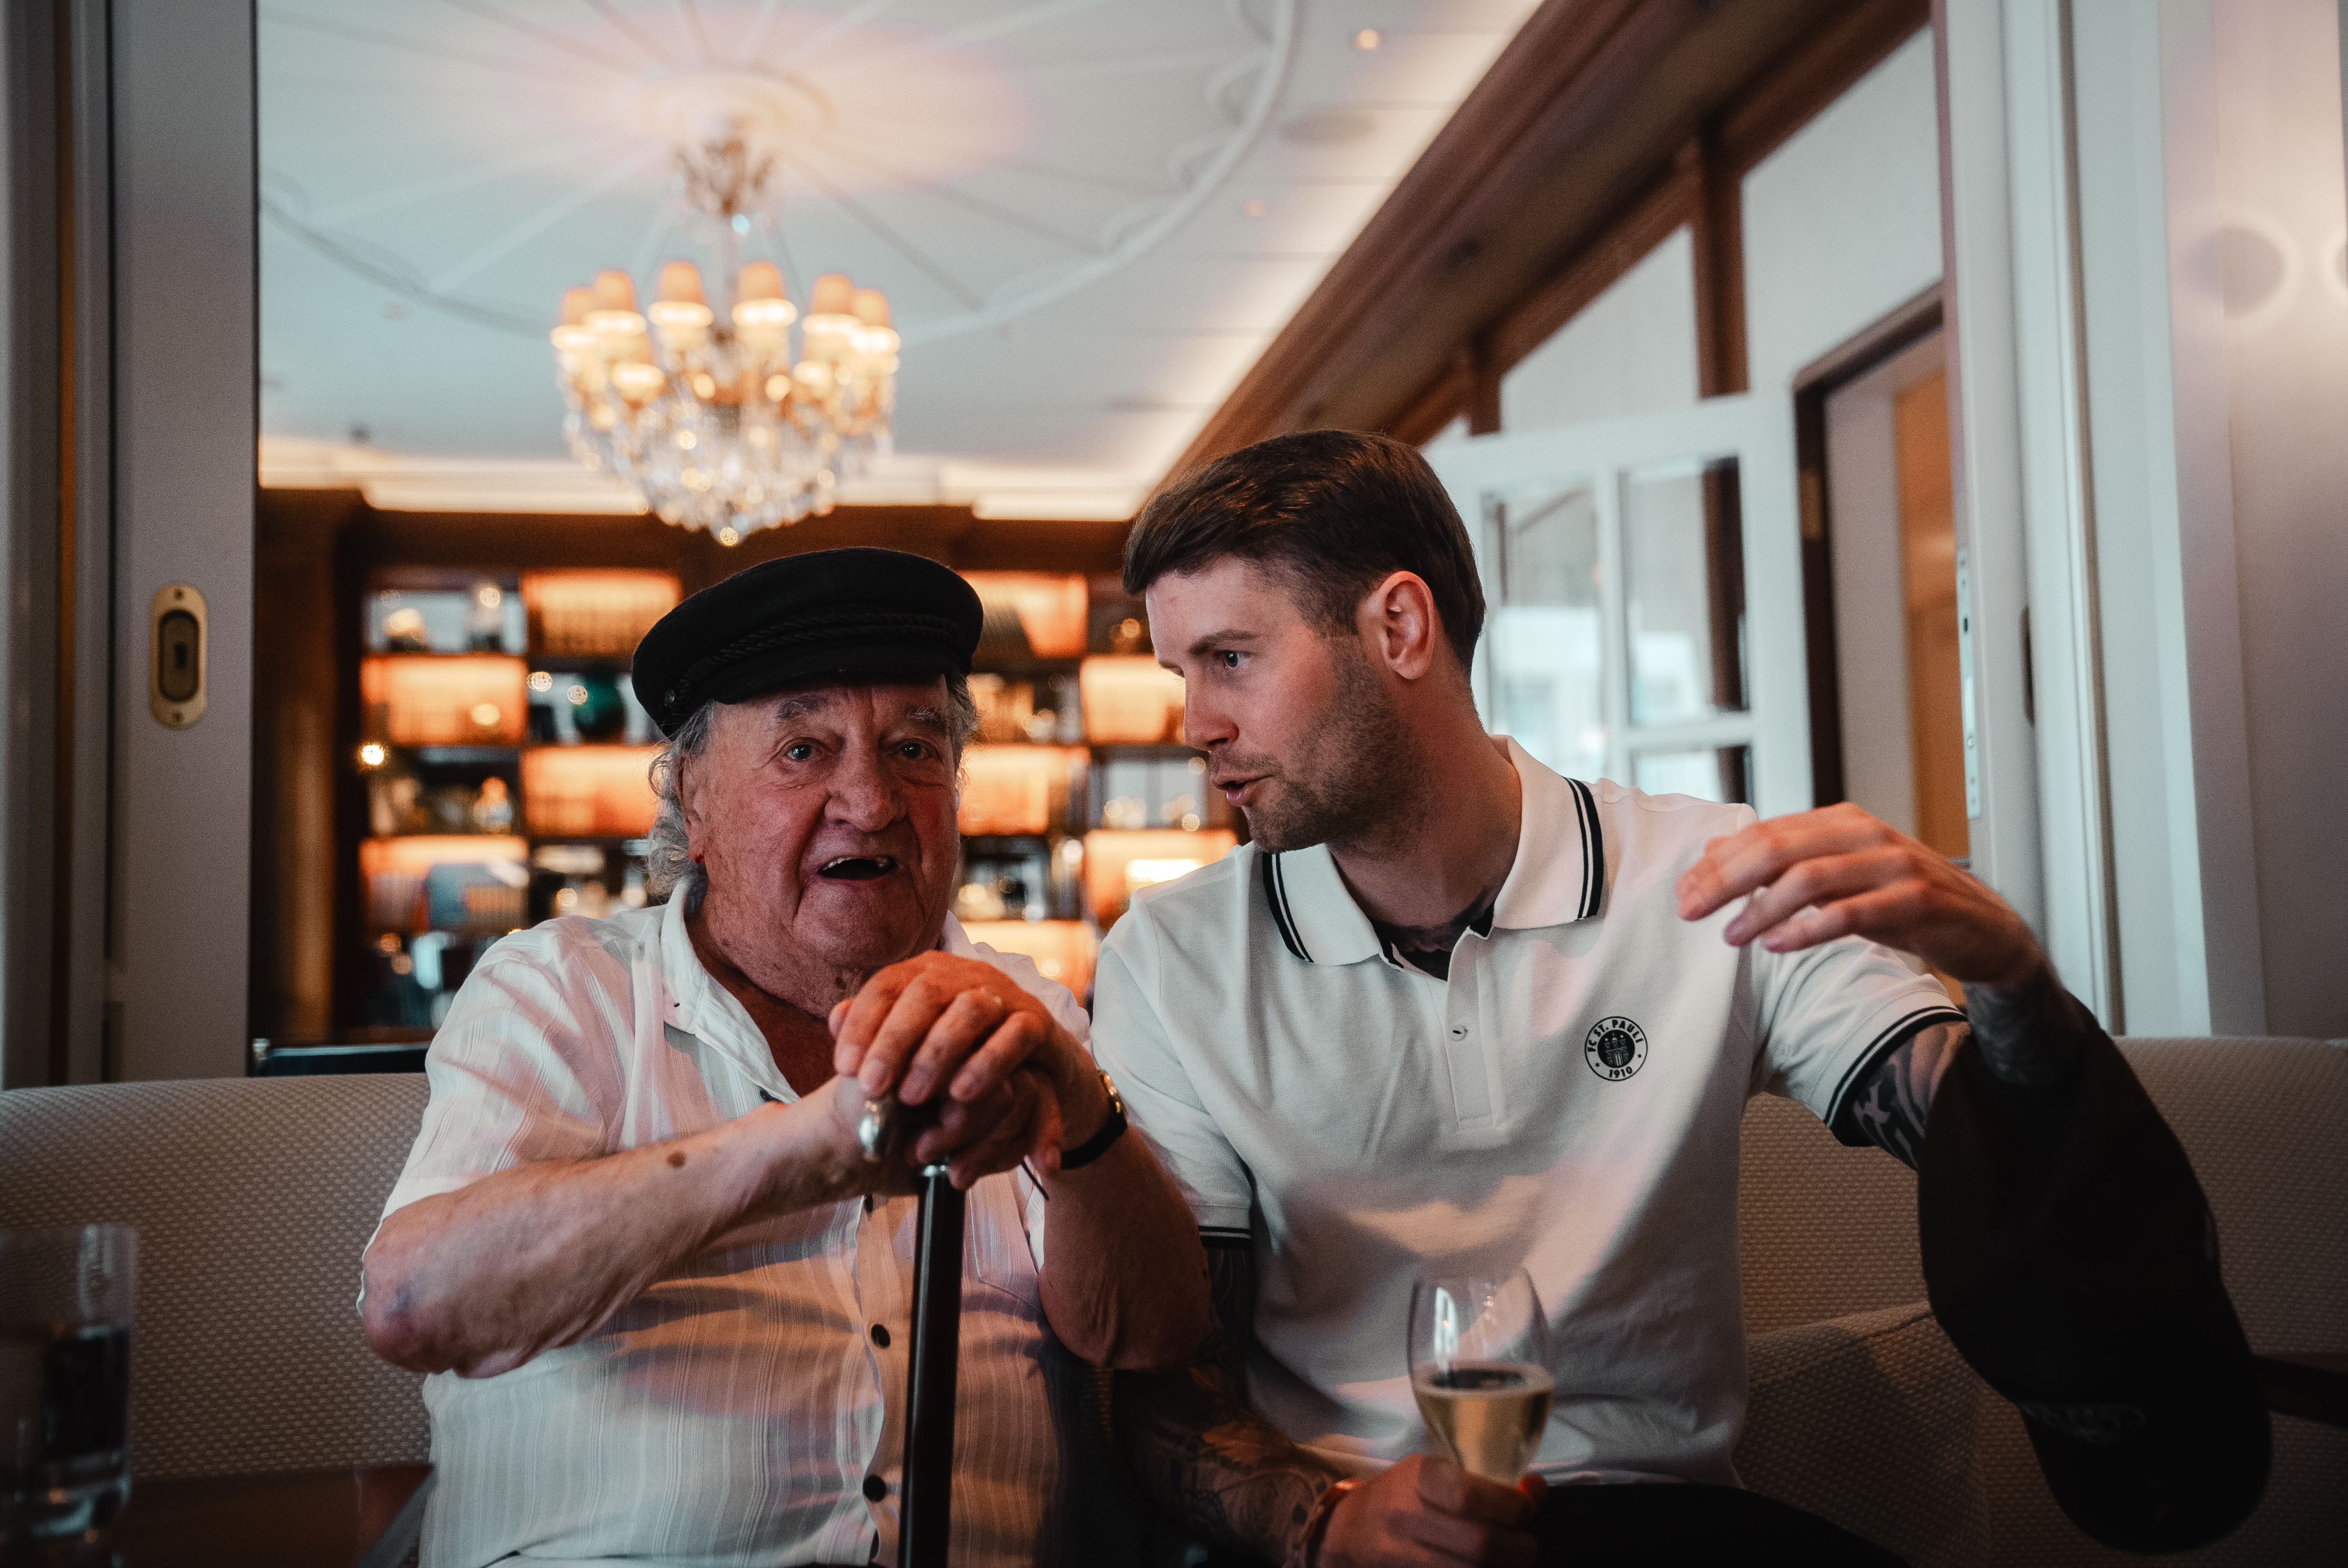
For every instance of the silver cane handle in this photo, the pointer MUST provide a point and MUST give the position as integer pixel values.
(875, 1130)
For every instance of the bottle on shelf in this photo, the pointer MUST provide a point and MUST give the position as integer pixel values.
(493, 807)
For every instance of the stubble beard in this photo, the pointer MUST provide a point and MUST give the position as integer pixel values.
(1355, 781)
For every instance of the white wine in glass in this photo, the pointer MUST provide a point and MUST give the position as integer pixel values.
(1480, 1369)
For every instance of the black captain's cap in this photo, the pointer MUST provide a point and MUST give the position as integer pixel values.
(2071, 1256)
(830, 612)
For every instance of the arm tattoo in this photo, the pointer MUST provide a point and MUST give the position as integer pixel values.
(1892, 1105)
(2033, 1036)
(1202, 1455)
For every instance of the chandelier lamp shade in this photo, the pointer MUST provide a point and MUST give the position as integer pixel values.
(709, 414)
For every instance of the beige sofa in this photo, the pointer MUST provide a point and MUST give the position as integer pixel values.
(1863, 1412)
(253, 1199)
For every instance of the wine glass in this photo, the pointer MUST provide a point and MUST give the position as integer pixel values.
(1479, 1368)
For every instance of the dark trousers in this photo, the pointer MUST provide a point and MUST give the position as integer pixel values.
(1669, 1523)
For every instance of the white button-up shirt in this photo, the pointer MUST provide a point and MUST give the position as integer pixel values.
(1568, 1100)
(744, 1410)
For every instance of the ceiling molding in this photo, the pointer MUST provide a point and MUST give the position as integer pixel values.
(1573, 148)
(300, 521)
(401, 482)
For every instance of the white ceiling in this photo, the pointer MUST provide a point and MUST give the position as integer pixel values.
(1089, 215)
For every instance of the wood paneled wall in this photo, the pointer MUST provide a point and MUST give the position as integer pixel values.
(1604, 126)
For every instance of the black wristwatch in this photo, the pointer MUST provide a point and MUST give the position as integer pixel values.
(1094, 1147)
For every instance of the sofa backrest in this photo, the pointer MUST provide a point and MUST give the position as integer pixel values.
(253, 1199)
(1823, 1230)
(1827, 1231)
(2266, 1124)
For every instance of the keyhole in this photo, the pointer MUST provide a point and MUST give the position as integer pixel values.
(178, 677)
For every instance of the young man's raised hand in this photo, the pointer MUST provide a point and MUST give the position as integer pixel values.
(1837, 872)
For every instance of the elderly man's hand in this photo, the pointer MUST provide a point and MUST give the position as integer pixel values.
(977, 1138)
(1008, 1077)
(1837, 872)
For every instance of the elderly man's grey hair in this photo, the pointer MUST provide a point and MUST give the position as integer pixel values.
(669, 866)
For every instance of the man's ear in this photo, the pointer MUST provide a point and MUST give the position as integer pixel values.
(1401, 624)
(688, 804)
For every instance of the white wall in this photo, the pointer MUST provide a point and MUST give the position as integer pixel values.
(184, 458)
(2279, 265)
(2158, 524)
(1842, 224)
(1632, 349)
(2171, 456)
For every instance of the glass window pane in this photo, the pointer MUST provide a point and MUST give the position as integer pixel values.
(1684, 591)
(1544, 654)
(1723, 773)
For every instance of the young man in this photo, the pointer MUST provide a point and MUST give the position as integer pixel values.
(1450, 1011)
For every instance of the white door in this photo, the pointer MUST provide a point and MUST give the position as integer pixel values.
(1644, 581)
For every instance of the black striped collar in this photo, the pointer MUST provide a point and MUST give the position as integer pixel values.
(1316, 915)
(1558, 877)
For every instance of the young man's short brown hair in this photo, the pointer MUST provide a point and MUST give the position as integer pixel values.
(1330, 512)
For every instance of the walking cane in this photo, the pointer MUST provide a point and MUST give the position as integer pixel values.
(925, 1496)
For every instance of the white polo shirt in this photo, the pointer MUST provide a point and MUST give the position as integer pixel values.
(1568, 1101)
(747, 1409)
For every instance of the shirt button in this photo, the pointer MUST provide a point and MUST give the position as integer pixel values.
(880, 1336)
(875, 1488)
(1458, 1034)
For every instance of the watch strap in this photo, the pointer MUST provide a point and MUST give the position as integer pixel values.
(1110, 1131)
(1304, 1551)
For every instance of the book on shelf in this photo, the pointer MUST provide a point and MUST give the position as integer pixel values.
(445, 700)
(589, 791)
(598, 613)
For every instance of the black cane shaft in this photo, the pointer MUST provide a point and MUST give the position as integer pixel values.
(925, 1508)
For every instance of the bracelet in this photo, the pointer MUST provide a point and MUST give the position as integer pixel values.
(1316, 1524)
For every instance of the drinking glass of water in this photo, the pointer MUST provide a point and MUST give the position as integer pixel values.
(66, 1300)
(1479, 1368)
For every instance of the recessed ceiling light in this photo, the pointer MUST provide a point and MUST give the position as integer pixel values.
(1367, 39)
(1328, 127)
(1252, 208)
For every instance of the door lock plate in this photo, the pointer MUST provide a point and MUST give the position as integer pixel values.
(179, 666)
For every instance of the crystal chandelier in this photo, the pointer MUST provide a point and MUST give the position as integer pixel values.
(708, 415)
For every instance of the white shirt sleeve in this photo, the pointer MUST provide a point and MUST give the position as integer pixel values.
(1828, 1014)
(1132, 1043)
(522, 1069)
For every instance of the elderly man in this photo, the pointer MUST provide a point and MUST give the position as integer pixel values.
(663, 1296)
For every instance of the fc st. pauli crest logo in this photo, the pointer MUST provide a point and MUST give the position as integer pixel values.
(1615, 1048)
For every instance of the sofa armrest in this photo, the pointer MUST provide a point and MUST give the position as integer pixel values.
(1869, 1420)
